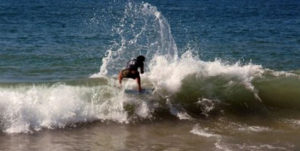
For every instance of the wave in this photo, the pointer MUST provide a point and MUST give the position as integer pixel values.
(32, 107)
(185, 86)
(193, 83)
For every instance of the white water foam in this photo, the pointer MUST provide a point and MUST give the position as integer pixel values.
(292, 122)
(260, 147)
(168, 75)
(28, 108)
(178, 111)
(206, 105)
(254, 129)
(197, 130)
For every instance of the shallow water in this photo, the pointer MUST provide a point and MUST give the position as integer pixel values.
(218, 134)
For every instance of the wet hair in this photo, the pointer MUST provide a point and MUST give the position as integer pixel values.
(140, 58)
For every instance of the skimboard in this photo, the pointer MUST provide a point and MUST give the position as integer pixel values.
(136, 92)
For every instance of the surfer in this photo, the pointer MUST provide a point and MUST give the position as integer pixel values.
(131, 70)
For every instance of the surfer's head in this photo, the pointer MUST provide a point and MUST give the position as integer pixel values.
(140, 58)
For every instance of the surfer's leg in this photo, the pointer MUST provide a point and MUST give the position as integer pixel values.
(120, 78)
(138, 80)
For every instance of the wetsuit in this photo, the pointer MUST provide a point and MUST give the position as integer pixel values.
(131, 70)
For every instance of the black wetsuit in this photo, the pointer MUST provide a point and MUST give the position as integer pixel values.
(131, 70)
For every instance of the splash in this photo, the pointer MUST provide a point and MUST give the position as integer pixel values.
(183, 85)
(31, 108)
(142, 30)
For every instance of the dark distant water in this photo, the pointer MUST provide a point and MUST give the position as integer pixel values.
(225, 75)
(49, 40)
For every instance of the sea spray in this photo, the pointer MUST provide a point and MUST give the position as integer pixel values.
(142, 31)
(28, 108)
(185, 85)
(181, 80)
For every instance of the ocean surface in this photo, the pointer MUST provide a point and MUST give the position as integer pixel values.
(221, 75)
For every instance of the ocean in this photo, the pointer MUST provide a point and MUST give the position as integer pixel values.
(220, 75)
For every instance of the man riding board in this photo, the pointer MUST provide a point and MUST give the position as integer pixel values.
(131, 70)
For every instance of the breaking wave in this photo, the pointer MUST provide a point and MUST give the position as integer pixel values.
(184, 86)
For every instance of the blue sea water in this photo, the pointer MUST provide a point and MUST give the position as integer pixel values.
(221, 75)
(49, 40)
